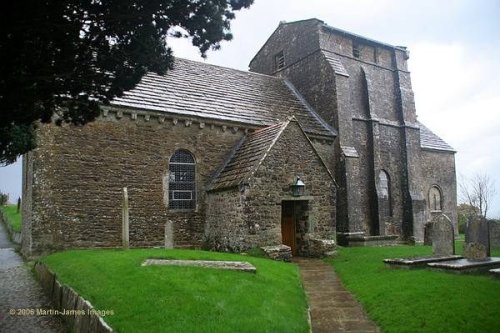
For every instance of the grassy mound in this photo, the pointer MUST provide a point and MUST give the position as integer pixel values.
(12, 216)
(185, 299)
(418, 300)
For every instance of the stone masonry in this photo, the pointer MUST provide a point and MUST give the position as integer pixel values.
(352, 98)
(362, 88)
(250, 215)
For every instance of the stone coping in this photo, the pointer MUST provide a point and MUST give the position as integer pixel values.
(242, 266)
(418, 261)
(495, 272)
(78, 314)
(465, 265)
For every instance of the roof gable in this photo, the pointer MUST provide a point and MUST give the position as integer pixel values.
(250, 154)
(195, 89)
(429, 140)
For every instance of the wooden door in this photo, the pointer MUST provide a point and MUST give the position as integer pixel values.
(288, 234)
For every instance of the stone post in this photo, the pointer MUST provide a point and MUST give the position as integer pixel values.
(169, 235)
(125, 233)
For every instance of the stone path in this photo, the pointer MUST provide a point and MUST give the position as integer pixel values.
(333, 308)
(20, 290)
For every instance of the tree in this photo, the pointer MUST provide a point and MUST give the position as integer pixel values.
(464, 213)
(477, 192)
(61, 59)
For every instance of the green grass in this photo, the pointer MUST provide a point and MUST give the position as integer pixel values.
(419, 300)
(12, 216)
(185, 299)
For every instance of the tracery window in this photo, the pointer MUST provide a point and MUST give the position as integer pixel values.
(182, 182)
(435, 199)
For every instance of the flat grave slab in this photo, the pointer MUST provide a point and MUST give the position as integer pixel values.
(418, 261)
(242, 266)
(495, 272)
(467, 265)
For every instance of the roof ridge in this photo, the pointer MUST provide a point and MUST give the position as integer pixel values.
(230, 68)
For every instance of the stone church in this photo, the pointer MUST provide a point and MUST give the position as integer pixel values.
(318, 142)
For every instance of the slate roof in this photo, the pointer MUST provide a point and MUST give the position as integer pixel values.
(196, 89)
(335, 63)
(248, 156)
(430, 140)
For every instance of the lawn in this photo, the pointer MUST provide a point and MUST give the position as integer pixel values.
(12, 216)
(419, 300)
(185, 299)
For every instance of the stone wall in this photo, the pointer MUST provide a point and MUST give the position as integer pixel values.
(226, 227)
(78, 174)
(369, 52)
(374, 112)
(291, 157)
(294, 40)
(438, 168)
(250, 216)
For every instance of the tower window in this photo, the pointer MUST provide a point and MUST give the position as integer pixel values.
(356, 49)
(279, 61)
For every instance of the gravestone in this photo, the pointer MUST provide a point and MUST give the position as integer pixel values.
(477, 240)
(494, 234)
(428, 233)
(443, 237)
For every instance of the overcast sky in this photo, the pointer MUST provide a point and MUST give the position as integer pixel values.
(454, 62)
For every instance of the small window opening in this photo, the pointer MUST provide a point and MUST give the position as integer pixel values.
(435, 199)
(279, 61)
(384, 193)
(356, 49)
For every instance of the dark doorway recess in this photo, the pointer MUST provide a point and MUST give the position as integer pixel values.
(294, 224)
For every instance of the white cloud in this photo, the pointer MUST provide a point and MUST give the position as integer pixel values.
(456, 92)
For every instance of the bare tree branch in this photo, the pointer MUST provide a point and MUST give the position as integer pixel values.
(477, 192)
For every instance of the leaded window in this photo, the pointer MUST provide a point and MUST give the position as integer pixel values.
(435, 199)
(182, 182)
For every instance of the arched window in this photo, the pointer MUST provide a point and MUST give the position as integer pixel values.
(384, 193)
(181, 182)
(435, 199)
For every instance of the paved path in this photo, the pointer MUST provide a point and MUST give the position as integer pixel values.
(20, 290)
(333, 308)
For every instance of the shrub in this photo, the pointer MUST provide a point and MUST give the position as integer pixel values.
(4, 198)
